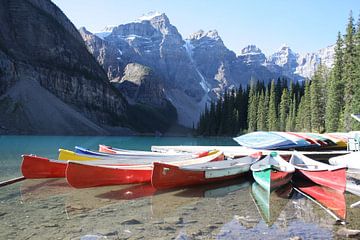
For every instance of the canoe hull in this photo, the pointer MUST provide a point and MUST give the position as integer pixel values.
(84, 176)
(271, 179)
(37, 167)
(335, 179)
(166, 176)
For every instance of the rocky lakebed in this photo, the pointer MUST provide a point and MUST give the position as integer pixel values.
(50, 209)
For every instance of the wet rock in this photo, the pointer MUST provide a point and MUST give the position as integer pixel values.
(344, 232)
(168, 228)
(190, 222)
(174, 220)
(113, 233)
(51, 225)
(158, 222)
(131, 222)
(2, 214)
(211, 227)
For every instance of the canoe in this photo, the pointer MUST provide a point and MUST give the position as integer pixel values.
(339, 140)
(84, 151)
(321, 137)
(320, 173)
(34, 167)
(67, 155)
(166, 175)
(297, 140)
(306, 138)
(264, 140)
(86, 174)
(272, 171)
(351, 161)
(331, 200)
(270, 203)
(39, 167)
(112, 150)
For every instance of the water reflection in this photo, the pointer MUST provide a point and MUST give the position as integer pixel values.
(271, 203)
(330, 200)
(232, 209)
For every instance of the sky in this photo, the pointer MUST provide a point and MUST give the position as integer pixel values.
(304, 25)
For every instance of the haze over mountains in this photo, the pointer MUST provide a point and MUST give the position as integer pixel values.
(195, 70)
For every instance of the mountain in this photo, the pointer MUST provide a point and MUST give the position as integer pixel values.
(196, 70)
(49, 82)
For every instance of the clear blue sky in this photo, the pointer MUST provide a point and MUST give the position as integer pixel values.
(305, 25)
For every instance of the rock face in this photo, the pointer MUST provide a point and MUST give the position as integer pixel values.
(49, 82)
(196, 70)
(141, 85)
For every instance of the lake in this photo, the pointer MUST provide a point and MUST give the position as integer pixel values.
(236, 209)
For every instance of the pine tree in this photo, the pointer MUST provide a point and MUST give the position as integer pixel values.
(317, 102)
(303, 116)
(261, 118)
(252, 109)
(291, 121)
(335, 90)
(356, 97)
(349, 72)
(283, 109)
(266, 109)
(272, 115)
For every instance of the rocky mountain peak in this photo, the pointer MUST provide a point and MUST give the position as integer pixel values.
(151, 15)
(284, 56)
(252, 55)
(211, 35)
(250, 49)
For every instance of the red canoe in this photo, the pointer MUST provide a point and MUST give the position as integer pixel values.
(38, 167)
(323, 174)
(328, 198)
(34, 167)
(82, 175)
(170, 176)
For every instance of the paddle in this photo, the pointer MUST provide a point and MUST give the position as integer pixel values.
(11, 181)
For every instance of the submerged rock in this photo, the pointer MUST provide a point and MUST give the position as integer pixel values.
(344, 232)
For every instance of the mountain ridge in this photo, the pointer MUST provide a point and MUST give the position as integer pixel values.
(198, 69)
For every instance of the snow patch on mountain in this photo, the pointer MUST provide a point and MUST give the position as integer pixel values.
(105, 31)
(149, 16)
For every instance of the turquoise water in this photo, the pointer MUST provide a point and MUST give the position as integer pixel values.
(235, 209)
(12, 147)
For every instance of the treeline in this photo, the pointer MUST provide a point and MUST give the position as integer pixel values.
(251, 109)
(323, 104)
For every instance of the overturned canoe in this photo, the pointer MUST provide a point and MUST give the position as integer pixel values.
(170, 176)
(264, 140)
(320, 173)
(272, 171)
(82, 175)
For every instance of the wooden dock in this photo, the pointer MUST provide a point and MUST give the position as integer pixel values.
(237, 151)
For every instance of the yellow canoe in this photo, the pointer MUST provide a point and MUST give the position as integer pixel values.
(67, 155)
